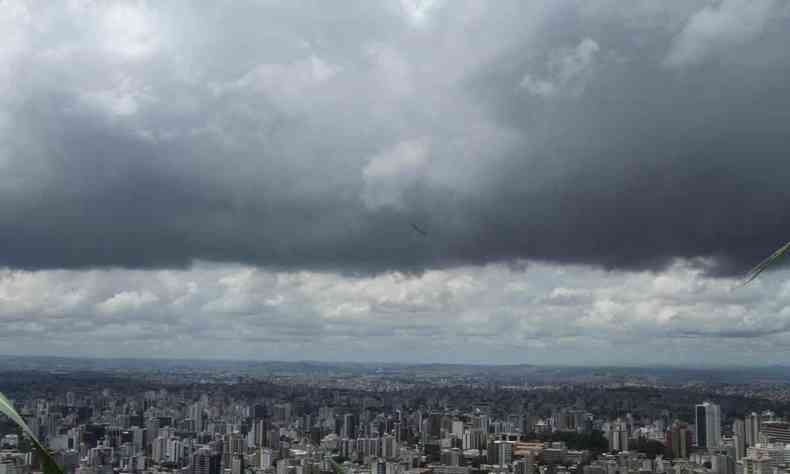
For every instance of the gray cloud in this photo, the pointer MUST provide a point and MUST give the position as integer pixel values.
(719, 27)
(297, 135)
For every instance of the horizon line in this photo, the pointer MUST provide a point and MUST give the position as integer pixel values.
(390, 363)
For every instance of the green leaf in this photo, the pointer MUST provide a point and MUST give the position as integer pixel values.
(754, 272)
(47, 461)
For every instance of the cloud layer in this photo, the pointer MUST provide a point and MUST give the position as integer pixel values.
(518, 181)
(300, 136)
(492, 313)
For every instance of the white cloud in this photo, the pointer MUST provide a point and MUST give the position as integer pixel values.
(388, 175)
(129, 30)
(718, 27)
(288, 85)
(538, 87)
(122, 100)
(418, 12)
(16, 22)
(127, 301)
(568, 71)
(496, 313)
(391, 69)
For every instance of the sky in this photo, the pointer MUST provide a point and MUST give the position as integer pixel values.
(522, 181)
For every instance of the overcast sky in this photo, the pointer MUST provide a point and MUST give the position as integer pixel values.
(542, 181)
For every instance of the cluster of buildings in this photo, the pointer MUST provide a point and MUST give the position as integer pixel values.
(198, 433)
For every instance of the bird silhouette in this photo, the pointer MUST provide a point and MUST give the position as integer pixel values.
(419, 231)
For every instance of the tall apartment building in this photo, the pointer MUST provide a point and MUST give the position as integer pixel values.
(707, 418)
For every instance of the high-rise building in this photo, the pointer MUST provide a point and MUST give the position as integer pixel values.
(484, 422)
(175, 450)
(756, 464)
(458, 428)
(159, 449)
(435, 425)
(618, 436)
(232, 444)
(774, 452)
(205, 461)
(237, 464)
(752, 422)
(282, 412)
(260, 431)
(349, 426)
(524, 466)
(776, 432)
(739, 438)
(272, 439)
(13, 465)
(265, 458)
(380, 467)
(451, 457)
(389, 447)
(678, 440)
(473, 439)
(721, 463)
(282, 466)
(500, 453)
(100, 456)
(196, 414)
(707, 417)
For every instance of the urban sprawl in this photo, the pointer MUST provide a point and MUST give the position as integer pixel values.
(314, 426)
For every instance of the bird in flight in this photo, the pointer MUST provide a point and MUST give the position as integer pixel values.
(419, 231)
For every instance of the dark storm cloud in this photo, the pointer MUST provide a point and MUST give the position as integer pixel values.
(295, 134)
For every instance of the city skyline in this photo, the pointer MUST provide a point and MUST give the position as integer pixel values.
(206, 421)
